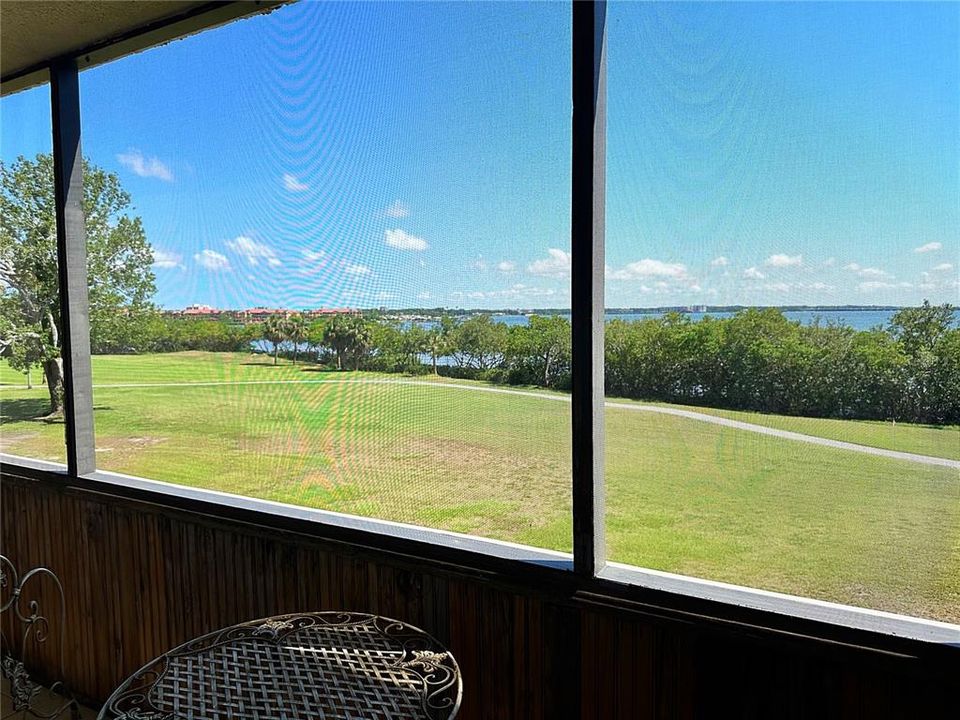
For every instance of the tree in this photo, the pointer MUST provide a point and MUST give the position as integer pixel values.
(948, 371)
(879, 369)
(479, 343)
(296, 333)
(315, 336)
(921, 328)
(119, 258)
(437, 345)
(23, 347)
(275, 333)
(542, 349)
(386, 344)
(336, 337)
(414, 342)
(925, 334)
(349, 338)
(359, 340)
(762, 361)
(439, 340)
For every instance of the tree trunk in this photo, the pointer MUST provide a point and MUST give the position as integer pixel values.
(53, 372)
(434, 360)
(339, 360)
(276, 349)
(29, 380)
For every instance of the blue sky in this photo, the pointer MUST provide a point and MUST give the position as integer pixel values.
(406, 154)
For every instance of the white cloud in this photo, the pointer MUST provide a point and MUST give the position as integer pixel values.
(648, 268)
(163, 259)
(870, 286)
(479, 264)
(753, 274)
(943, 267)
(404, 241)
(291, 183)
(783, 287)
(781, 260)
(253, 251)
(873, 285)
(212, 260)
(830, 262)
(719, 262)
(315, 261)
(518, 291)
(929, 247)
(867, 272)
(397, 210)
(557, 264)
(506, 266)
(312, 262)
(424, 296)
(134, 161)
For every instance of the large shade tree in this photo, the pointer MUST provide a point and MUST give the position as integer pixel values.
(119, 260)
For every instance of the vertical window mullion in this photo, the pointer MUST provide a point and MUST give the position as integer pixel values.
(586, 287)
(72, 265)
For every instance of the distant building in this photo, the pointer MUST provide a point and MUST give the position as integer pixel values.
(255, 314)
(260, 314)
(201, 311)
(326, 312)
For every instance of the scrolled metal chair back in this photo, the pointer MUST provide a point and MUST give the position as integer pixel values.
(30, 632)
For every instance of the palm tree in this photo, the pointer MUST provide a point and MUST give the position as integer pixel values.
(437, 345)
(296, 333)
(347, 337)
(275, 332)
(336, 337)
(360, 338)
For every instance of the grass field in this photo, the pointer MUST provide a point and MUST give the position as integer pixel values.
(682, 495)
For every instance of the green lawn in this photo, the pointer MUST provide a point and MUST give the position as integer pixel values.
(937, 440)
(682, 495)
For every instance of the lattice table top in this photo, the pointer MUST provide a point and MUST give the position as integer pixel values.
(329, 666)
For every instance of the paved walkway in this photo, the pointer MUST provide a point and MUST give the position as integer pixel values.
(631, 407)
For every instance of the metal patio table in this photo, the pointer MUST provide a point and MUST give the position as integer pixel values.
(325, 665)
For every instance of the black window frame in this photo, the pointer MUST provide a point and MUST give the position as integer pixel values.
(584, 576)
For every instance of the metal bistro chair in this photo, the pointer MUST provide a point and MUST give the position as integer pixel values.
(324, 665)
(23, 696)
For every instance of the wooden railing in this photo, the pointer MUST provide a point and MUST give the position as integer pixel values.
(147, 578)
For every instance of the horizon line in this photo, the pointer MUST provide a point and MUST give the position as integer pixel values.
(691, 308)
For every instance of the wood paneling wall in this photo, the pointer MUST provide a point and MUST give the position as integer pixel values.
(141, 579)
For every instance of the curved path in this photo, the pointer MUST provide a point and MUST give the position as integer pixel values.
(633, 407)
